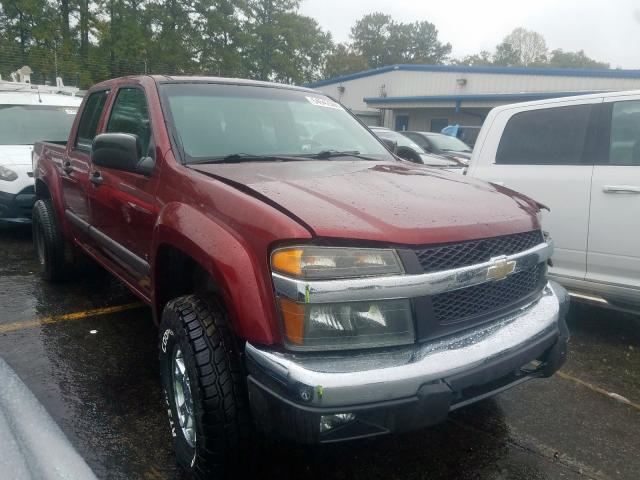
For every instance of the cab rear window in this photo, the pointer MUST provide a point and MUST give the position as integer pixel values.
(88, 125)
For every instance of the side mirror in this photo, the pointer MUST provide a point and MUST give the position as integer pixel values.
(146, 166)
(120, 151)
(390, 144)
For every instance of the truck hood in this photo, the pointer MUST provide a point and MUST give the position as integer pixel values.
(391, 202)
(15, 154)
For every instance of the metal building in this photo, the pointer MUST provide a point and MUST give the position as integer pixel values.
(430, 97)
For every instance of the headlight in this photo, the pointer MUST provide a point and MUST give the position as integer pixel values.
(347, 325)
(343, 326)
(329, 262)
(7, 174)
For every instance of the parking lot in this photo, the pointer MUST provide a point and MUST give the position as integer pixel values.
(87, 349)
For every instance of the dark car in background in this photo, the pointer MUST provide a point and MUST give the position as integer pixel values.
(468, 134)
(407, 149)
(443, 145)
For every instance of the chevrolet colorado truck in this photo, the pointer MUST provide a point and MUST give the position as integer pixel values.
(306, 283)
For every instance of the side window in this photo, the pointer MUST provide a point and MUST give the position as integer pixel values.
(624, 148)
(130, 115)
(549, 136)
(88, 125)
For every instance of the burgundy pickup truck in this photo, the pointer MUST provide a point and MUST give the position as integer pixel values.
(306, 282)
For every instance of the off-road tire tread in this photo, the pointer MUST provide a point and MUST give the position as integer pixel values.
(58, 268)
(221, 382)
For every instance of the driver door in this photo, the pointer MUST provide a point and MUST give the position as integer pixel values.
(123, 204)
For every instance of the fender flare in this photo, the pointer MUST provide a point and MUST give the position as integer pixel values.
(247, 294)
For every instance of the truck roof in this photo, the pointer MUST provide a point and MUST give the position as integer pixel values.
(228, 81)
(559, 100)
(206, 79)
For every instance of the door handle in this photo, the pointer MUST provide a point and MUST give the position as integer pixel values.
(67, 168)
(96, 178)
(621, 189)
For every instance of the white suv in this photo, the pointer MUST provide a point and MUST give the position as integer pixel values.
(580, 156)
(27, 114)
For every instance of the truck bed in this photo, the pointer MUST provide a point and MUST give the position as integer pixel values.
(47, 148)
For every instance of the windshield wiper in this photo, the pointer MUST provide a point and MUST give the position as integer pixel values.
(327, 154)
(247, 157)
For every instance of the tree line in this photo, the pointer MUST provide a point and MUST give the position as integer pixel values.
(86, 41)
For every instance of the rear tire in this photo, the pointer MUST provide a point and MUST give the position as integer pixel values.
(204, 388)
(49, 243)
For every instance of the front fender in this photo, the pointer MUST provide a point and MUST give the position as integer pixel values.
(236, 266)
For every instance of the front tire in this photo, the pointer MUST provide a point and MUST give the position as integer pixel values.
(49, 242)
(204, 387)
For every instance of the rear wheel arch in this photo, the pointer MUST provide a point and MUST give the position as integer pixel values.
(42, 190)
(48, 187)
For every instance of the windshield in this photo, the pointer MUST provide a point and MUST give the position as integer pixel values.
(447, 143)
(400, 139)
(215, 121)
(28, 124)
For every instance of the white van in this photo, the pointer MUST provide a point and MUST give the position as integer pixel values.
(580, 156)
(28, 113)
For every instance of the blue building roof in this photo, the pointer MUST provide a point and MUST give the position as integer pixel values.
(486, 97)
(554, 72)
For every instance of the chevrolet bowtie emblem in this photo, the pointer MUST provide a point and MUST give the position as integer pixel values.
(500, 269)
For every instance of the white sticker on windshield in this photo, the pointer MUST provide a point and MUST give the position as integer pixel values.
(70, 111)
(323, 102)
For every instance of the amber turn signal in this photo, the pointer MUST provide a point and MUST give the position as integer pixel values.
(288, 261)
(293, 319)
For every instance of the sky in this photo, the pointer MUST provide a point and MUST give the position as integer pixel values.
(607, 30)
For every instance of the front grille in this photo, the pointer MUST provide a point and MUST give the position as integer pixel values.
(465, 303)
(456, 255)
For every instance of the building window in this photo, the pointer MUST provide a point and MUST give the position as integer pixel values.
(402, 123)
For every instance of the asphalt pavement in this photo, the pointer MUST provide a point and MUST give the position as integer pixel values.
(87, 350)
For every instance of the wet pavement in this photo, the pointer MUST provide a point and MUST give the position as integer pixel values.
(96, 374)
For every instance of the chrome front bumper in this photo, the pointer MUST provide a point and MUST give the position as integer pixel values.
(338, 380)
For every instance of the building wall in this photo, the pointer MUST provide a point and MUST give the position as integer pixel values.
(412, 83)
(355, 91)
(405, 82)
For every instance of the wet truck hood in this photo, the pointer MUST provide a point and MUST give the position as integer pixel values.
(392, 202)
